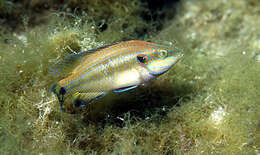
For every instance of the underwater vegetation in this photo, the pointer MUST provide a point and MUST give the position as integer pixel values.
(209, 103)
(129, 17)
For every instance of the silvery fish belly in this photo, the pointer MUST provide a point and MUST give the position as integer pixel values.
(117, 68)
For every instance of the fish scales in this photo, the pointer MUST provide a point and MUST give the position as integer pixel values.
(106, 54)
(100, 70)
(115, 53)
(116, 67)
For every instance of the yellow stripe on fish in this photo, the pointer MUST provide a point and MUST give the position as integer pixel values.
(117, 68)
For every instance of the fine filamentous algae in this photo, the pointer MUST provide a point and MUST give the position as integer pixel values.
(118, 68)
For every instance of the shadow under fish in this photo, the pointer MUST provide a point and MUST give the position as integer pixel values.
(118, 68)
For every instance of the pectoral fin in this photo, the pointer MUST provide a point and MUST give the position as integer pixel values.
(124, 89)
(82, 99)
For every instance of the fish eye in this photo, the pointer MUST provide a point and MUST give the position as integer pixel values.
(62, 91)
(142, 58)
(163, 53)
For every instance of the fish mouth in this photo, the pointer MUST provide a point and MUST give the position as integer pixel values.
(159, 67)
(180, 55)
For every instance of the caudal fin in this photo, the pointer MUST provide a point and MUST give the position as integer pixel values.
(59, 92)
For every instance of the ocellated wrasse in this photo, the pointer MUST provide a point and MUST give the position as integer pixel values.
(119, 67)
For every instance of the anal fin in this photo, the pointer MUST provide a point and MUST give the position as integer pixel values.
(82, 99)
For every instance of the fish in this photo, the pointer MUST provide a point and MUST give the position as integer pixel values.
(118, 68)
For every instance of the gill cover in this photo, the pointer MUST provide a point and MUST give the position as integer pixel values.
(165, 59)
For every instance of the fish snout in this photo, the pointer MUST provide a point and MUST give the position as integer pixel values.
(159, 67)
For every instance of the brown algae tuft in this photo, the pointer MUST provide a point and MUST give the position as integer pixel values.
(207, 104)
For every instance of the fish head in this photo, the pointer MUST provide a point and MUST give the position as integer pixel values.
(159, 60)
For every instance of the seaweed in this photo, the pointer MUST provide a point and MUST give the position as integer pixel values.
(207, 104)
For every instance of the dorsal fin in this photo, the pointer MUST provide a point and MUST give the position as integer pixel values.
(65, 66)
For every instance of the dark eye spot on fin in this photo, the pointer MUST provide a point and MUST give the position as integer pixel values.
(61, 98)
(59, 92)
(124, 89)
(62, 91)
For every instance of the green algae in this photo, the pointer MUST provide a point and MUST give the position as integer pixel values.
(125, 16)
(207, 104)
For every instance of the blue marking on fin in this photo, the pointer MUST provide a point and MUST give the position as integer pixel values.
(124, 89)
(83, 103)
(98, 97)
(79, 104)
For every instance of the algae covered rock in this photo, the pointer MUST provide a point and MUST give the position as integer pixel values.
(207, 104)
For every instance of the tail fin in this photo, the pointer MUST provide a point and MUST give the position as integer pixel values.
(59, 92)
(53, 89)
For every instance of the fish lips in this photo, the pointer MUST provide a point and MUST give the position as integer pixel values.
(158, 67)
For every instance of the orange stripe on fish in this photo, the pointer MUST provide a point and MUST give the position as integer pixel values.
(117, 68)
